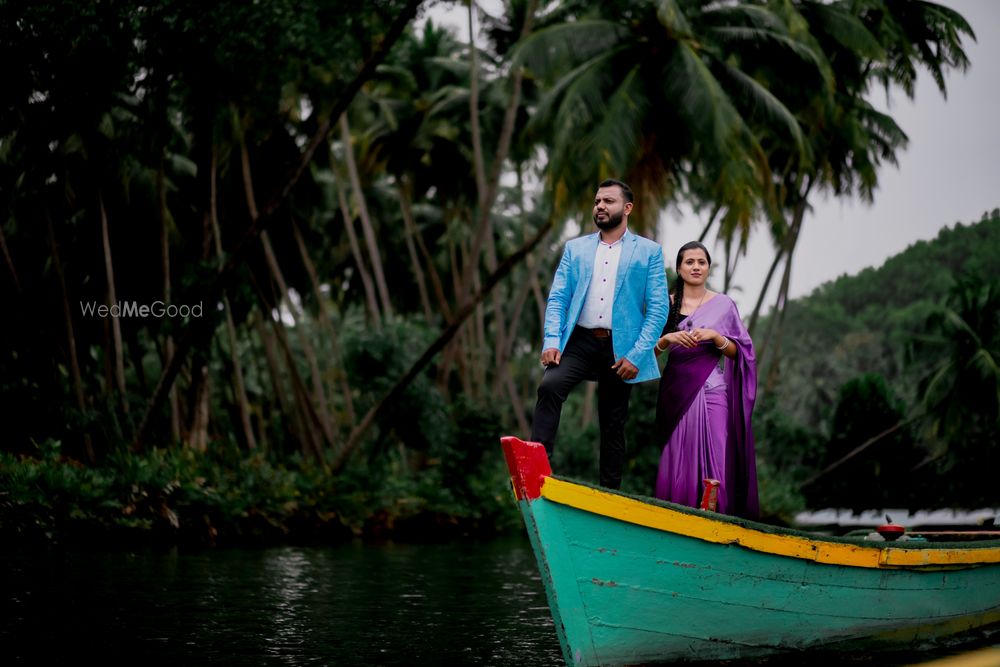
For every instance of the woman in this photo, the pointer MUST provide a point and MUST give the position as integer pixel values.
(703, 412)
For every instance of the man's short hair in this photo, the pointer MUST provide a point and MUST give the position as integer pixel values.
(626, 190)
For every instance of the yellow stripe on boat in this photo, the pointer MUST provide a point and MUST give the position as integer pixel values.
(721, 532)
(987, 657)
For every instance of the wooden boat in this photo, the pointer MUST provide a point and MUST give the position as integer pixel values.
(633, 580)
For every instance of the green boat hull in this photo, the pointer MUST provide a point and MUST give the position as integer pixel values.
(627, 594)
(622, 593)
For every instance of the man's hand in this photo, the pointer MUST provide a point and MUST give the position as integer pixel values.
(626, 369)
(550, 357)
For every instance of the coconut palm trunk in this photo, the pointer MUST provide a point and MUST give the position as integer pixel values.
(195, 333)
(371, 299)
(200, 406)
(406, 208)
(74, 362)
(310, 418)
(435, 277)
(239, 386)
(711, 221)
(503, 270)
(319, 393)
(116, 329)
(325, 321)
(367, 230)
(8, 260)
(288, 411)
(488, 187)
(161, 209)
(503, 359)
(755, 315)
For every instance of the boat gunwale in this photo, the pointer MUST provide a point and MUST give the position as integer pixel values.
(722, 529)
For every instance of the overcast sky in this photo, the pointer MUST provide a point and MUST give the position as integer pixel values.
(949, 173)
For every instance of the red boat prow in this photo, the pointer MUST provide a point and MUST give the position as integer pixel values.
(528, 464)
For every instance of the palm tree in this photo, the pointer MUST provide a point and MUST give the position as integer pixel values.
(865, 43)
(332, 104)
(657, 93)
(960, 395)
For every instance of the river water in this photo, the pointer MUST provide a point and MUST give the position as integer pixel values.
(463, 603)
(392, 604)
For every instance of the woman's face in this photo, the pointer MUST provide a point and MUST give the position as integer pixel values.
(694, 267)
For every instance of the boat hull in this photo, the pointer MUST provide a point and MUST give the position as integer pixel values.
(628, 583)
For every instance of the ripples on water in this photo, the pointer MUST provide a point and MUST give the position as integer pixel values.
(475, 604)
(455, 604)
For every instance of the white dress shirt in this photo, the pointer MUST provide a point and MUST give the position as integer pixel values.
(596, 313)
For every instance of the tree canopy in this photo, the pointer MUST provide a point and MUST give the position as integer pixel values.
(322, 233)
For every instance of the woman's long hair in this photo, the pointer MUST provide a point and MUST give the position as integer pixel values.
(678, 291)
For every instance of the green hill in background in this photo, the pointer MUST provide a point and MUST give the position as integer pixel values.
(911, 347)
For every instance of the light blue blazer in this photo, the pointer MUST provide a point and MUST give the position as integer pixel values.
(640, 303)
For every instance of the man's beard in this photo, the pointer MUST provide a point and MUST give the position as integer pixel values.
(612, 222)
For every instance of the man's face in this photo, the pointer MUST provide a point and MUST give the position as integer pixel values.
(610, 207)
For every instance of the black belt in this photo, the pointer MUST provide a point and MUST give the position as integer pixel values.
(596, 333)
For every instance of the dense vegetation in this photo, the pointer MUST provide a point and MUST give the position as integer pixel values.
(355, 216)
(910, 349)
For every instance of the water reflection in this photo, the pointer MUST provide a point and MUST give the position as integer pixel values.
(474, 603)
(455, 604)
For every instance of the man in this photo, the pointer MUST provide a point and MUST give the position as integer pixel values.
(606, 310)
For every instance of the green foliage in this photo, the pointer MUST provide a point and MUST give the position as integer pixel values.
(863, 323)
(223, 497)
(779, 494)
(129, 131)
(960, 393)
(787, 453)
(911, 342)
(881, 476)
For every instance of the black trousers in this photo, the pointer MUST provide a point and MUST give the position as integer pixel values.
(586, 358)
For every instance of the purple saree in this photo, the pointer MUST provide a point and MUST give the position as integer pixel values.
(703, 415)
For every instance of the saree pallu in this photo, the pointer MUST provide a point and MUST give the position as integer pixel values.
(703, 415)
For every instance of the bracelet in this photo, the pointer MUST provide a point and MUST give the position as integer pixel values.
(722, 347)
(658, 348)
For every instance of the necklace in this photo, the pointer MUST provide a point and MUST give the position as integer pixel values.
(703, 295)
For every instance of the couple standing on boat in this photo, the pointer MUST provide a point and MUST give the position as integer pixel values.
(609, 315)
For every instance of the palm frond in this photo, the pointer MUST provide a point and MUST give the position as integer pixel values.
(672, 18)
(396, 76)
(448, 97)
(756, 35)
(591, 72)
(702, 102)
(616, 138)
(581, 107)
(985, 364)
(768, 103)
(938, 386)
(848, 30)
(959, 325)
(550, 50)
(455, 66)
(754, 15)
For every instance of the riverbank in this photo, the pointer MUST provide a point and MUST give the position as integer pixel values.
(191, 498)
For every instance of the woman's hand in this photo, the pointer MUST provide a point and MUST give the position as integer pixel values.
(702, 335)
(721, 343)
(682, 338)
